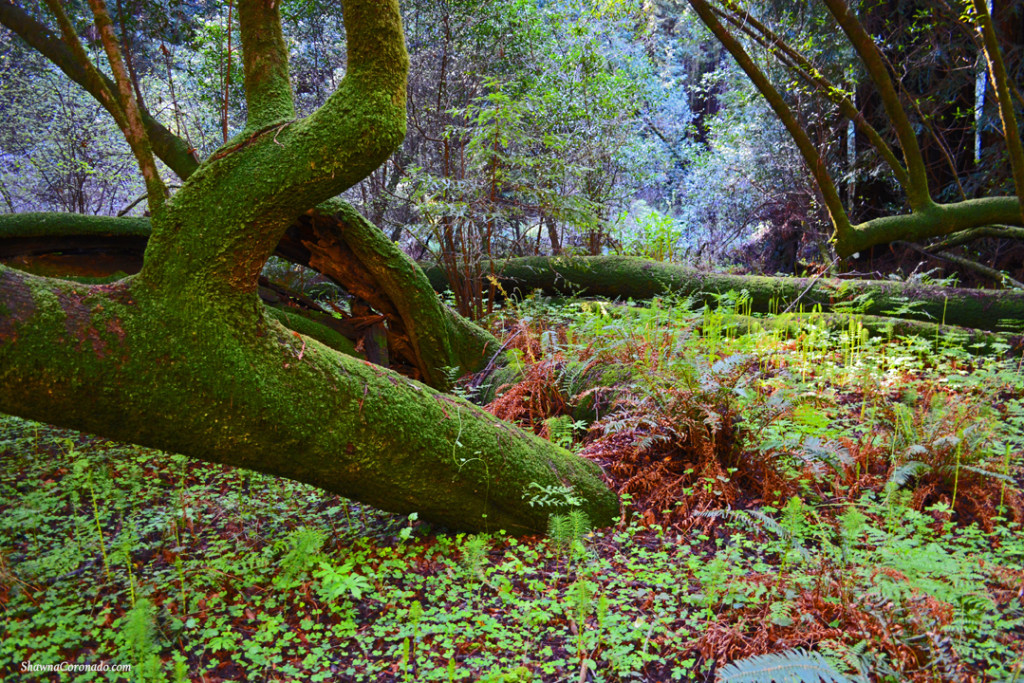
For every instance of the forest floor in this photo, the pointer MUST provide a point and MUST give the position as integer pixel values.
(817, 503)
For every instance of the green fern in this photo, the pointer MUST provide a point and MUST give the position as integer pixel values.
(567, 533)
(904, 473)
(301, 547)
(791, 666)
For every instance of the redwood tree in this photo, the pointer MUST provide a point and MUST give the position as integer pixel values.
(184, 357)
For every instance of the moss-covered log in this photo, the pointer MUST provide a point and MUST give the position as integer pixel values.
(335, 240)
(239, 389)
(340, 243)
(626, 277)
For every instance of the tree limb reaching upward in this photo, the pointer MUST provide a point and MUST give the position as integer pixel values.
(69, 58)
(134, 131)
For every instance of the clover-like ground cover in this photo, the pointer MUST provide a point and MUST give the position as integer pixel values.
(802, 491)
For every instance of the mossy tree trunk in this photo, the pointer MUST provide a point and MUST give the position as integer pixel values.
(425, 339)
(181, 356)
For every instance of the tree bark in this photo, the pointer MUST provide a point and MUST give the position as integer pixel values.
(626, 277)
(227, 386)
(335, 240)
(611, 276)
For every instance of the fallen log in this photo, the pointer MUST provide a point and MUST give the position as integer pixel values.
(625, 277)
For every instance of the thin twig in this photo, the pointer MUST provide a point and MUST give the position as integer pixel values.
(482, 375)
(135, 203)
(814, 281)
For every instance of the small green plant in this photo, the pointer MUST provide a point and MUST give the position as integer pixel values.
(474, 555)
(301, 548)
(555, 496)
(567, 532)
(338, 582)
(138, 635)
(562, 430)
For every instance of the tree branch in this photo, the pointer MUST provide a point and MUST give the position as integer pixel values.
(1001, 278)
(100, 88)
(968, 236)
(815, 163)
(261, 187)
(268, 91)
(917, 189)
(751, 26)
(133, 129)
(1002, 91)
(936, 220)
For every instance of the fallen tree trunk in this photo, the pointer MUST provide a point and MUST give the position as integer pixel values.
(237, 390)
(183, 356)
(337, 241)
(624, 277)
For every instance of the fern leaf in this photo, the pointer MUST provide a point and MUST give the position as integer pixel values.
(791, 666)
(987, 473)
(905, 472)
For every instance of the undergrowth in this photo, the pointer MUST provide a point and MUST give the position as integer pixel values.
(816, 503)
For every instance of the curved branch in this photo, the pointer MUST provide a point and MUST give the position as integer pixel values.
(968, 236)
(815, 164)
(104, 91)
(1002, 90)
(282, 171)
(767, 38)
(917, 189)
(439, 339)
(935, 221)
(134, 131)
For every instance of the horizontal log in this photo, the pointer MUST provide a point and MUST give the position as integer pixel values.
(625, 277)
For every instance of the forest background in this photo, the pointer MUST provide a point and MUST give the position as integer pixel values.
(831, 496)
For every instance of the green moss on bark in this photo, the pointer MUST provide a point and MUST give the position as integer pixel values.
(442, 340)
(53, 225)
(314, 330)
(229, 388)
(627, 277)
(182, 358)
